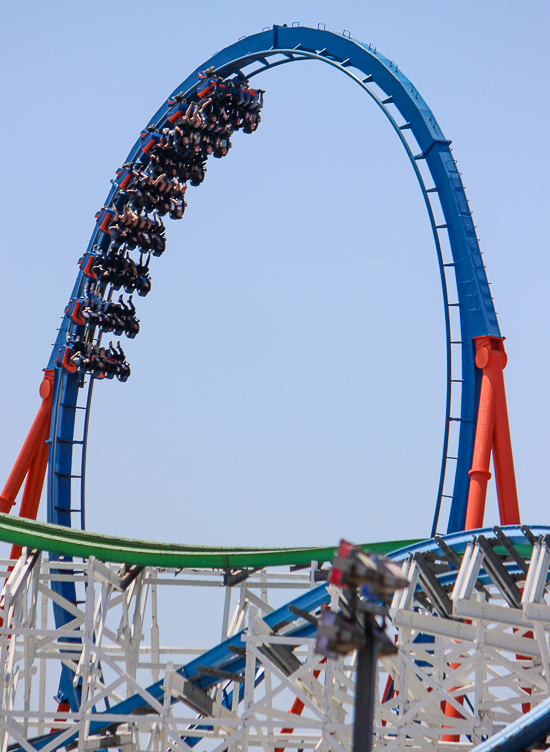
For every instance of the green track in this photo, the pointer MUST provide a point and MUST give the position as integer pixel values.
(69, 542)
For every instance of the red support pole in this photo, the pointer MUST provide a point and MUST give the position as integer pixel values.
(296, 709)
(32, 446)
(503, 458)
(492, 433)
(449, 710)
(479, 473)
(388, 693)
(452, 712)
(33, 486)
(62, 707)
(35, 480)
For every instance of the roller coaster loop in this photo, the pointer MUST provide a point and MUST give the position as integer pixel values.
(443, 191)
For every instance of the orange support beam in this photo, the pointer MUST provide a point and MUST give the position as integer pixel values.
(492, 434)
(33, 486)
(296, 709)
(451, 712)
(31, 456)
(62, 707)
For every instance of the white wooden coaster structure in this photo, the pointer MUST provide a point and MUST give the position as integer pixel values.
(472, 632)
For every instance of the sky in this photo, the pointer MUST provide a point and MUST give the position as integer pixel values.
(287, 385)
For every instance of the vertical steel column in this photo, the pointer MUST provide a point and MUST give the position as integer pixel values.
(492, 434)
(30, 451)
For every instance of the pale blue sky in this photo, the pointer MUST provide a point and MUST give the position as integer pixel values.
(287, 386)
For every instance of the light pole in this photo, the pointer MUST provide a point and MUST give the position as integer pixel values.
(368, 583)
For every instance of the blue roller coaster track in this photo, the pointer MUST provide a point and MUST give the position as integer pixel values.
(443, 192)
(462, 272)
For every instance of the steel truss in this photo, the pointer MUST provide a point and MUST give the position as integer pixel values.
(472, 631)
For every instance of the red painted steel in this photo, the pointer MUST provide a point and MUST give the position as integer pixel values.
(492, 434)
(452, 712)
(62, 707)
(33, 486)
(31, 449)
(295, 709)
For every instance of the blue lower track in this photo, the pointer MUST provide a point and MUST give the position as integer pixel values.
(523, 733)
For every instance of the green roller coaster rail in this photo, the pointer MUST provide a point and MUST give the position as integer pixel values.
(68, 542)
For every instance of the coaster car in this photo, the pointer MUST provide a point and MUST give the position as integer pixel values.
(124, 177)
(149, 140)
(86, 264)
(103, 218)
(176, 111)
(210, 87)
(65, 361)
(73, 312)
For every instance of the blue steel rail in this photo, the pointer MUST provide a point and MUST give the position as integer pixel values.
(523, 734)
(221, 657)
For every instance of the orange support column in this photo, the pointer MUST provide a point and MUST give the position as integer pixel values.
(449, 710)
(492, 434)
(33, 486)
(503, 458)
(31, 449)
(296, 709)
(452, 712)
(35, 480)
